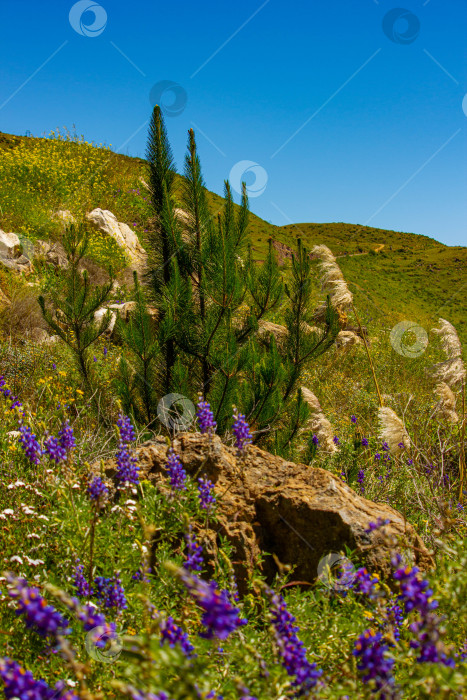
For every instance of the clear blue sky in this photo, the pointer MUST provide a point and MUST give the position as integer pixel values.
(348, 120)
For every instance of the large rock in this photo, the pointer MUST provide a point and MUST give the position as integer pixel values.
(21, 264)
(296, 512)
(105, 221)
(10, 245)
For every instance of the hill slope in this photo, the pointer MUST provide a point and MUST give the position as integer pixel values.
(394, 275)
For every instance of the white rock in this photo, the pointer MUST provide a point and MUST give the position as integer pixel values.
(105, 221)
(99, 315)
(10, 245)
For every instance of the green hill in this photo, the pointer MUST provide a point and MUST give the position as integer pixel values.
(394, 275)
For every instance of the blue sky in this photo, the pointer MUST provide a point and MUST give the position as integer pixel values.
(335, 110)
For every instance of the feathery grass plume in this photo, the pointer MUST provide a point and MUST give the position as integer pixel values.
(318, 424)
(332, 282)
(392, 430)
(452, 371)
(347, 339)
(446, 407)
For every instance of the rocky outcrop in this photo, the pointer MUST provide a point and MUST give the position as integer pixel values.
(106, 222)
(11, 253)
(298, 513)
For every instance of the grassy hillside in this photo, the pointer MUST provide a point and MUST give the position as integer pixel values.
(409, 277)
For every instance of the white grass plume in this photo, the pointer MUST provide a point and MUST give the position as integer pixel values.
(446, 407)
(317, 423)
(332, 280)
(346, 339)
(452, 371)
(449, 339)
(392, 430)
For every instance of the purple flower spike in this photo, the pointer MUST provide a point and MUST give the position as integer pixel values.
(173, 634)
(38, 615)
(194, 560)
(97, 490)
(127, 432)
(177, 474)
(241, 430)
(19, 683)
(54, 450)
(220, 617)
(205, 417)
(30, 444)
(374, 663)
(353, 419)
(206, 498)
(66, 437)
(83, 589)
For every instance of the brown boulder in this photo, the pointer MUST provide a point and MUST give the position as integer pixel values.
(296, 512)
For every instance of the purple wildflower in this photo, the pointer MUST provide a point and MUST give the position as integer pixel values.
(374, 663)
(83, 589)
(97, 490)
(291, 648)
(365, 442)
(385, 447)
(206, 498)
(177, 474)
(37, 613)
(110, 592)
(241, 430)
(127, 469)
(30, 444)
(194, 560)
(66, 437)
(173, 634)
(366, 583)
(105, 351)
(141, 695)
(353, 419)
(315, 440)
(377, 456)
(19, 683)
(205, 417)
(361, 479)
(54, 450)
(335, 440)
(379, 523)
(245, 693)
(220, 617)
(127, 432)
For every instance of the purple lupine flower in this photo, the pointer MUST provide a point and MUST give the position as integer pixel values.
(194, 560)
(30, 444)
(244, 692)
(395, 617)
(385, 447)
(415, 592)
(379, 523)
(241, 430)
(20, 683)
(110, 592)
(353, 419)
(220, 617)
(127, 469)
(97, 491)
(361, 479)
(374, 662)
(366, 583)
(173, 634)
(93, 621)
(365, 442)
(37, 613)
(105, 351)
(335, 440)
(206, 497)
(66, 437)
(409, 462)
(127, 432)
(377, 456)
(401, 445)
(141, 575)
(315, 440)
(54, 450)
(205, 417)
(83, 589)
(291, 648)
(177, 474)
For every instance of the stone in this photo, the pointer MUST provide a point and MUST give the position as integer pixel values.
(99, 315)
(10, 245)
(65, 216)
(105, 221)
(22, 264)
(123, 310)
(56, 256)
(39, 336)
(296, 512)
(41, 248)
